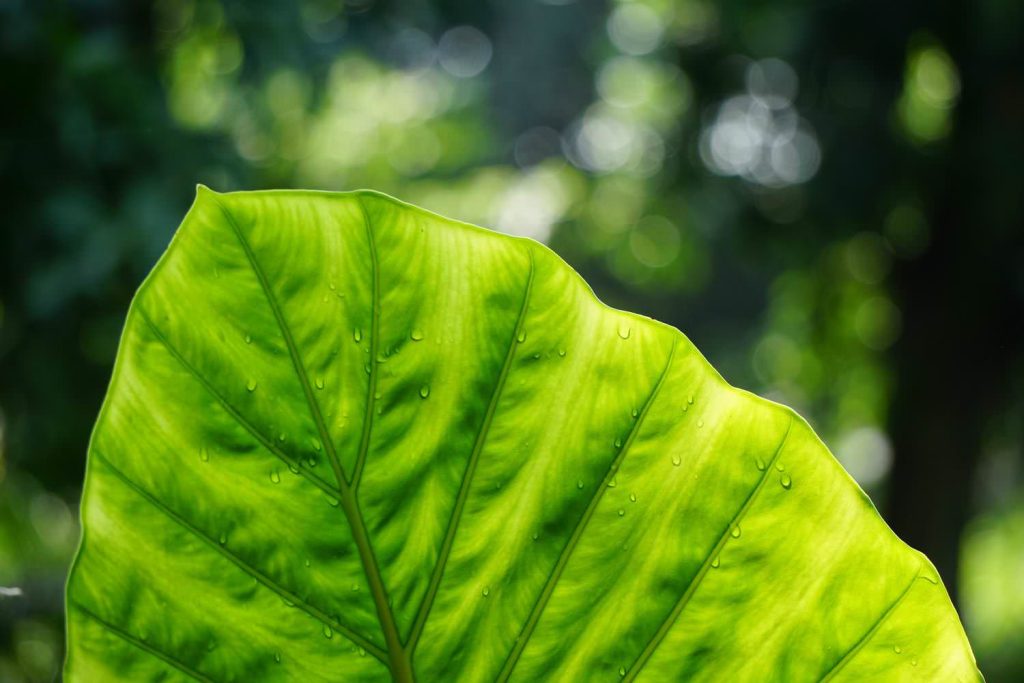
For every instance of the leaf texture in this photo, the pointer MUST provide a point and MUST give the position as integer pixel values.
(348, 439)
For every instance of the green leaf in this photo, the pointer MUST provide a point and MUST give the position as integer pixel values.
(348, 439)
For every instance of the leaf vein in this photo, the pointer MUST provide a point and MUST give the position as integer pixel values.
(374, 341)
(235, 414)
(256, 574)
(684, 599)
(142, 645)
(581, 525)
(859, 645)
(460, 501)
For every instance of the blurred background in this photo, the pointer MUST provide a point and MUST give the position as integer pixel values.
(826, 197)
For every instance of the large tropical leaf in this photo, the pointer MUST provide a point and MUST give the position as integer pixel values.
(348, 439)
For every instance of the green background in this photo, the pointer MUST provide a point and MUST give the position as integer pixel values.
(825, 198)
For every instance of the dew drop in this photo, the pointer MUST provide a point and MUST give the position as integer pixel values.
(486, 591)
(536, 356)
(716, 562)
(328, 632)
(251, 385)
(277, 657)
(362, 652)
(579, 483)
(624, 331)
(561, 352)
(700, 424)
(223, 539)
(632, 497)
(635, 413)
(307, 563)
(535, 535)
(689, 399)
(331, 286)
(785, 481)
(897, 649)
(416, 334)
(293, 469)
(913, 662)
(780, 467)
(622, 671)
(618, 443)
(333, 502)
(611, 484)
(366, 368)
(760, 464)
(275, 477)
(622, 513)
(424, 391)
(521, 337)
(282, 436)
(357, 335)
(355, 587)
(676, 460)
(204, 455)
(211, 646)
(248, 339)
(735, 533)
(319, 382)
(376, 396)
(311, 461)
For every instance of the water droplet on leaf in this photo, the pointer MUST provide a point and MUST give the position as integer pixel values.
(416, 335)
(424, 391)
(785, 481)
(251, 385)
(716, 562)
(624, 331)
(357, 335)
(735, 533)
(275, 477)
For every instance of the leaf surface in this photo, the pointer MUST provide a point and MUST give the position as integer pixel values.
(348, 439)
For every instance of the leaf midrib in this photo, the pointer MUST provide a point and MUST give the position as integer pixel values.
(399, 663)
